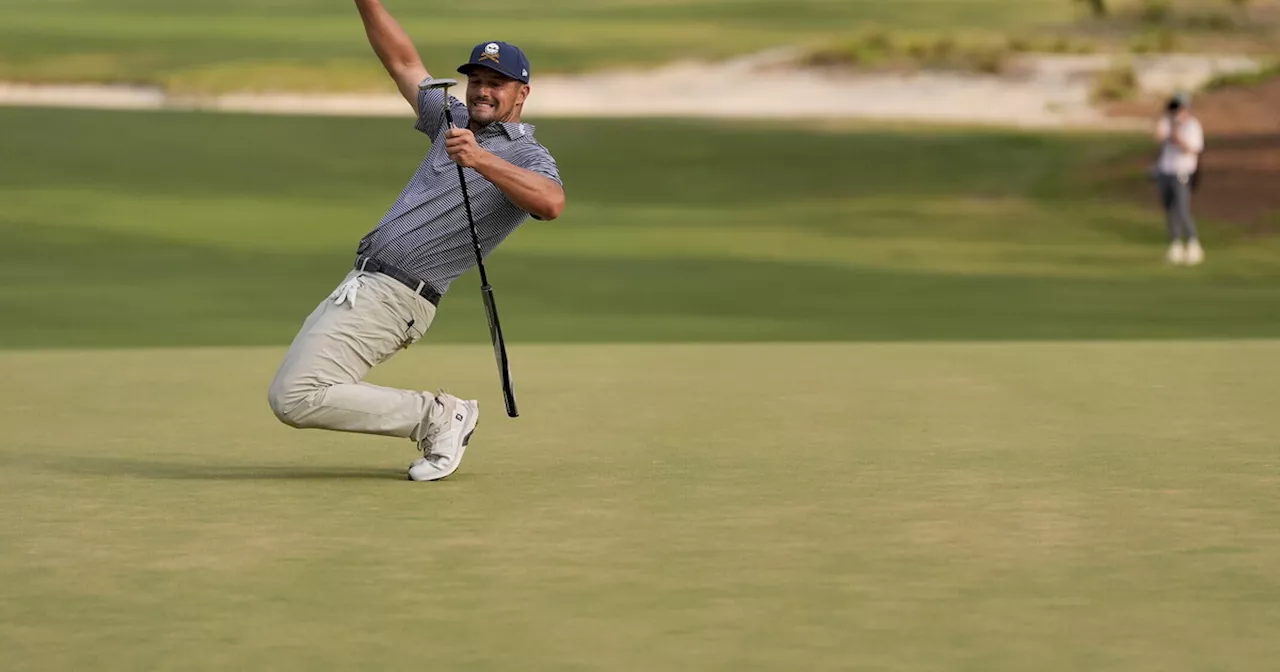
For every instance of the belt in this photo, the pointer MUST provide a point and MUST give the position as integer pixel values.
(419, 287)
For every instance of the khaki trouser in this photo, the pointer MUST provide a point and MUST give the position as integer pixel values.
(320, 383)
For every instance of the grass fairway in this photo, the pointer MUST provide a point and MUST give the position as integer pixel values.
(137, 229)
(319, 44)
(1100, 506)
(971, 421)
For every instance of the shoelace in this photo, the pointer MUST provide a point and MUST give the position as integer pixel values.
(434, 429)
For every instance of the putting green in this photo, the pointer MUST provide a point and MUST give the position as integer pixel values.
(1046, 506)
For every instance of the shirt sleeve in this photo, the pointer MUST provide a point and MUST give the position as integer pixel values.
(1162, 128)
(534, 157)
(431, 111)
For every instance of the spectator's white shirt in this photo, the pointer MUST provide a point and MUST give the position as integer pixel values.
(1175, 160)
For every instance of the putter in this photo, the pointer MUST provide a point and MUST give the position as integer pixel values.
(486, 291)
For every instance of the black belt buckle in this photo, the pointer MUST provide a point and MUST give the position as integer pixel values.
(371, 265)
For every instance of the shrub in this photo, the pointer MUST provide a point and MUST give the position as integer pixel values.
(1161, 40)
(1119, 82)
(1243, 78)
(1155, 12)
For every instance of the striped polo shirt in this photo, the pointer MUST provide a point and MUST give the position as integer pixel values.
(425, 232)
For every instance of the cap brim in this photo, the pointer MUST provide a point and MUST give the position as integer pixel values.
(465, 69)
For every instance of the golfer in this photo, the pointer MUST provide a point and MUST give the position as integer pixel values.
(406, 263)
(1181, 140)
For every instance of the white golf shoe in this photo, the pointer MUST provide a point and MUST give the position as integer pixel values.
(1195, 253)
(452, 422)
(1177, 253)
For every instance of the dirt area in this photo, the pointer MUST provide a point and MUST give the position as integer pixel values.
(1241, 163)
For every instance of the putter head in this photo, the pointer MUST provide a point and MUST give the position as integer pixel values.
(437, 84)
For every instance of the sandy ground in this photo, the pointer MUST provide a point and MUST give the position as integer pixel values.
(1035, 92)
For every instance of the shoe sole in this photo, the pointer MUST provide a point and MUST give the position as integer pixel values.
(462, 451)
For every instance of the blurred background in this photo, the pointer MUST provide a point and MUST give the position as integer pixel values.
(926, 224)
(845, 222)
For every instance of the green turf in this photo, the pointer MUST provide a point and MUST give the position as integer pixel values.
(1071, 506)
(141, 229)
(314, 44)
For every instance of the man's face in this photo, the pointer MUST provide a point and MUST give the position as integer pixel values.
(493, 97)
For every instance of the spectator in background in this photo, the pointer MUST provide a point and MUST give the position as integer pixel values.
(1181, 140)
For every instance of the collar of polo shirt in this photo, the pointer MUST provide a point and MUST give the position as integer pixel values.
(512, 129)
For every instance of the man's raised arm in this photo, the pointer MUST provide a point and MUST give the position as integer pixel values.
(394, 49)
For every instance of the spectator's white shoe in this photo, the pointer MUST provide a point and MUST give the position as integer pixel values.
(452, 423)
(1177, 253)
(1195, 253)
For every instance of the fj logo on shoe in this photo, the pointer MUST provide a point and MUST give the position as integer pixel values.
(459, 417)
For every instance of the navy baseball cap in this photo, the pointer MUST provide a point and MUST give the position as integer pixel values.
(504, 58)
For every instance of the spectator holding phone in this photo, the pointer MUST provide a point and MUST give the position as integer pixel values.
(1181, 141)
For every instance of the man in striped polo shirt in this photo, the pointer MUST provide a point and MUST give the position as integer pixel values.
(423, 243)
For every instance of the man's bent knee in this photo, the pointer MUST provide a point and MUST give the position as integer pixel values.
(288, 401)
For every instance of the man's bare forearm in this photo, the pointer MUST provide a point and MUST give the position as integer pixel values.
(388, 39)
(393, 47)
(536, 194)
